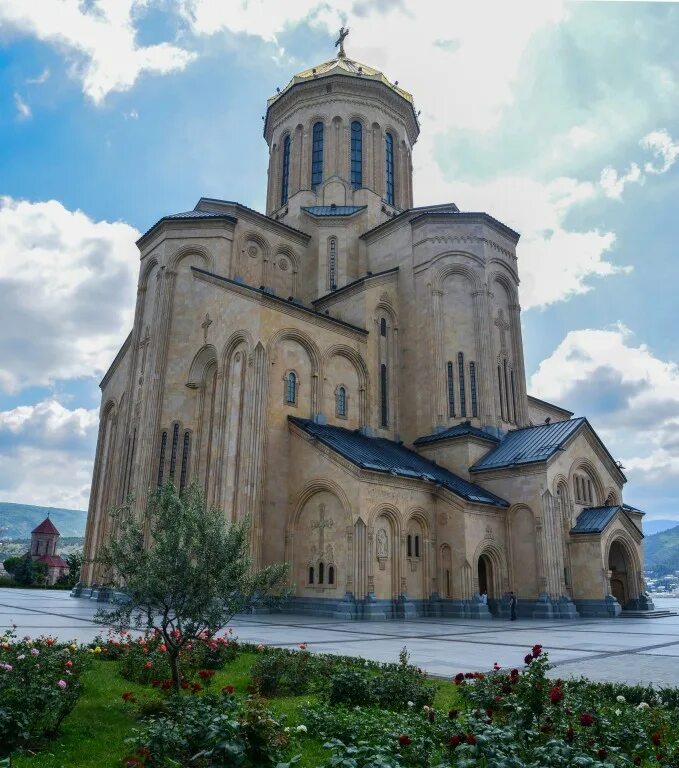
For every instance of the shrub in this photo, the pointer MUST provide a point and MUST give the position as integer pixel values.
(277, 672)
(402, 686)
(39, 686)
(351, 687)
(210, 730)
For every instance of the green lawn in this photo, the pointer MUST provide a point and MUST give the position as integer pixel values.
(93, 735)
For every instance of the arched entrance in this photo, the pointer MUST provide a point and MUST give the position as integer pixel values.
(485, 574)
(622, 573)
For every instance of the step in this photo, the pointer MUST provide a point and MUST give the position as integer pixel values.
(657, 614)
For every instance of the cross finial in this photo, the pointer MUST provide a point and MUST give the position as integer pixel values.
(340, 41)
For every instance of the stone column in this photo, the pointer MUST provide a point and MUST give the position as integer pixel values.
(552, 550)
(489, 407)
(306, 159)
(149, 422)
(378, 162)
(439, 407)
(519, 367)
(368, 169)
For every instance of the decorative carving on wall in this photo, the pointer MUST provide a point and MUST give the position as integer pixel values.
(252, 250)
(443, 518)
(489, 533)
(205, 325)
(382, 547)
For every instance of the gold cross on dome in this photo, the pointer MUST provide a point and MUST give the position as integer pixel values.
(340, 41)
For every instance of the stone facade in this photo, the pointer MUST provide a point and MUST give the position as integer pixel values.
(348, 307)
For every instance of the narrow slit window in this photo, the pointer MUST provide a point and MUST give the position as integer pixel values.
(317, 155)
(332, 263)
(311, 575)
(417, 546)
(331, 575)
(513, 394)
(472, 387)
(507, 401)
(173, 453)
(291, 389)
(410, 545)
(383, 328)
(389, 165)
(320, 573)
(285, 171)
(451, 389)
(463, 394)
(356, 155)
(161, 458)
(185, 461)
(341, 402)
(384, 410)
(502, 402)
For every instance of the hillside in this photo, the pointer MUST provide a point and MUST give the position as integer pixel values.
(661, 551)
(18, 520)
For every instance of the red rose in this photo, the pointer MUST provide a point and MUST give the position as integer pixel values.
(536, 650)
(602, 754)
(586, 719)
(195, 687)
(227, 689)
(498, 699)
(453, 713)
(148, 665)
(404, 740)
(656, 738)
(166, 685)
(528, 658)
(454, 741)
(459, 677)
(570, 735)
(514, 673)
(555, 695)
(471, 739)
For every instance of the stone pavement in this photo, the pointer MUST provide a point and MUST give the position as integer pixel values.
(627, 650)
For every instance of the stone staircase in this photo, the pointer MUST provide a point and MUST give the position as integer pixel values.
(654, 614)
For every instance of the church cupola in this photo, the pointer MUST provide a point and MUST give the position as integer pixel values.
(340, 134)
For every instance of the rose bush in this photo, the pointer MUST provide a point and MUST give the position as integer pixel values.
(39, 686)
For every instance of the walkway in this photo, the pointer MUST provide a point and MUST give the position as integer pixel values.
(629, 650)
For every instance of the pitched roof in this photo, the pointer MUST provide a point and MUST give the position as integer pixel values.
(529, 445)
(378, 454)
(189, 215)
(333, 210)
(52, 561)
(47, 526)
(597, 519)
(460, 430)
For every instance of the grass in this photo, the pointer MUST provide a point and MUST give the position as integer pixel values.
(94, 733)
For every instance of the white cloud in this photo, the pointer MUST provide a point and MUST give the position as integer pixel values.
(100, 39)
(46, 454)
(66, 292)
(613, 184)
(43, 77)
(663, 147)
(23, 110)
(630, 395)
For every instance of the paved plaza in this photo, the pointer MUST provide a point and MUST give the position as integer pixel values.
(628, 650)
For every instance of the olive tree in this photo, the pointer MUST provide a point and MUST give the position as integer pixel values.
(184, 570)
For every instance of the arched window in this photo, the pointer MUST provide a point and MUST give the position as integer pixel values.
(332, 263)
(291, 388)
(384, 410)
(356, 155)
(185, 461)
(383, 327)
(417, 546)
(311, 574)
(463, 395)
(285, 175)
(341, 402)
(320, 573)
(389, 165)
(472, 387)
(410, 545)
(331, 574)
(161, 459)
(317, 155)
(451, 389)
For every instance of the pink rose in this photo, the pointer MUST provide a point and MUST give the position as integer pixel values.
(62, 684)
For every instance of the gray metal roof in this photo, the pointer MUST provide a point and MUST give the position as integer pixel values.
(529, 445)
(460, 430)
(333, 210)
(189, 215)
(380, 455)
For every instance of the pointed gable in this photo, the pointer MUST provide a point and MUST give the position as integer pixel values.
(46, 527)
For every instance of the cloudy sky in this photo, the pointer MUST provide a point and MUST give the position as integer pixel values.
(558, 118)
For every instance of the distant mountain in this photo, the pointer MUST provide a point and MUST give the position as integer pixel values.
(656, 526)
(18, 520)
(661, 551)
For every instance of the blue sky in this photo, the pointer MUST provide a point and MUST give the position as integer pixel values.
(558, 118)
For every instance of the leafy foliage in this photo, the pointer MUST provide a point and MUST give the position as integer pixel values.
(194, 577)
(39, 686)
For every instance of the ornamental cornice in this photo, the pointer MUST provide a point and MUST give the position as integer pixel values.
(467, 239)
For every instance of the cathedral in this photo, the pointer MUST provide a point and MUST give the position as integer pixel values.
(347, 371)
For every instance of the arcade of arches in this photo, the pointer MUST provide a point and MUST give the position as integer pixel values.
(347, 370)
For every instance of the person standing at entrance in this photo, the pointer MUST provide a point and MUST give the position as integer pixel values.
(512, 606)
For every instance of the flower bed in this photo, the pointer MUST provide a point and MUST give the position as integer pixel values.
(39, 686)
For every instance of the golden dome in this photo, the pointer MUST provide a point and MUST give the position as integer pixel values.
(341, 65)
